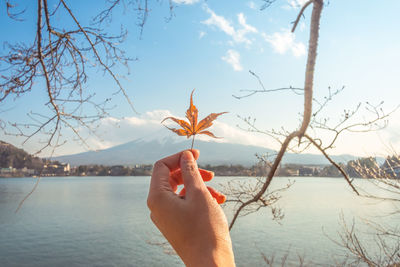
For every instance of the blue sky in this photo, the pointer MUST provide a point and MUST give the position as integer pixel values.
(211, 46)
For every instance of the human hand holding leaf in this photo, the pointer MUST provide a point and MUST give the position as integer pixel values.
(176, 179)
(192, 128)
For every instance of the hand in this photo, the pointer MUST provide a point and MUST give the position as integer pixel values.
(194, 225)
(176, 179)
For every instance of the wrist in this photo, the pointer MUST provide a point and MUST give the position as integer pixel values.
(220, 255)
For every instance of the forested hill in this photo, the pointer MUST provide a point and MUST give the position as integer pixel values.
(17, 158)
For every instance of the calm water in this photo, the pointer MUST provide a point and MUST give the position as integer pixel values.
(104, 221)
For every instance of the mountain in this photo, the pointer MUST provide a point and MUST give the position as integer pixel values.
(143, 151)
(17, 158)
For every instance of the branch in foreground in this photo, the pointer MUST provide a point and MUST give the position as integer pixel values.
(308, 98)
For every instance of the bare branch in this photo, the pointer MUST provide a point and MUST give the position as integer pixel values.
(308, 98)
(311, 59)
(264, 90)
(383, 251)
(107, 68)
(300, 14)
(11, 14)
(60, 59)
(267, 3)
(347, 178)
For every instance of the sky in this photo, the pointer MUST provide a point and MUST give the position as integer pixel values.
(211, 46)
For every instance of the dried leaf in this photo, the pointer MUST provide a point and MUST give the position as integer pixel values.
(192, 128)
(208, 133)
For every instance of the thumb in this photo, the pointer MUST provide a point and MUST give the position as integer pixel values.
(190, 172)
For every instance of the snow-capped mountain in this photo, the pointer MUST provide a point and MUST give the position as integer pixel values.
(148, 150)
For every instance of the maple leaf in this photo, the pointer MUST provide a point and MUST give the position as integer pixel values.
(192, 128)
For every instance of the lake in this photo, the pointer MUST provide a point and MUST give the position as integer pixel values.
(104, 221)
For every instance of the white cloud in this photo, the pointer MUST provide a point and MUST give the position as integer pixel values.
(115, 131)
(285, 41)
(252, 5)
(241, 33)
(298, 49)
(219, 21)
(234, 135)
(233, 58)
(238, 35)
(185, 2)
(294, 4)
(297, 3)
(202, 34)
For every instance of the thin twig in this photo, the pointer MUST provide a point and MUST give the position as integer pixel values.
(28, 195)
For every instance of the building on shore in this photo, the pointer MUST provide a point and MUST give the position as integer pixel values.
(9, 170)
(54, 169)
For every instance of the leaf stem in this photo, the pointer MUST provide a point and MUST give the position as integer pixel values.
(192, 142)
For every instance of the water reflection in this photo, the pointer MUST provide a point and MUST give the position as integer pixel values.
(104, 221)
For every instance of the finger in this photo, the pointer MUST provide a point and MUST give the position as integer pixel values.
(159, 184)
(176, 177)
(173, 183)
(190, 173)
(173, 161)
(162, 168)
(219, 197)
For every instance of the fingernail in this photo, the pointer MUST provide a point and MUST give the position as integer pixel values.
(187, 156)
(194, 152)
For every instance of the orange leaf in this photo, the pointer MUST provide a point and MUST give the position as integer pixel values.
(180, 132)
(192, 113)
(182, 123)
(207, 121)
(193, 128)
(208, 133)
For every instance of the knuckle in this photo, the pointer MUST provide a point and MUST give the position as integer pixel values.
(190, 167)
(158, 164)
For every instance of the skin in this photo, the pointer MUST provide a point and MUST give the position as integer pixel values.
(194, 224)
